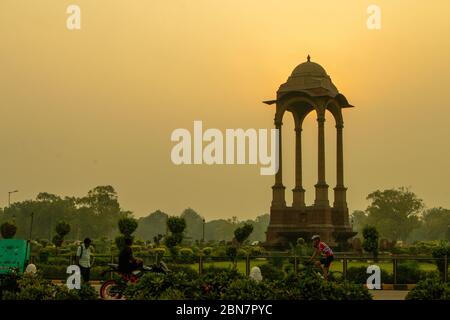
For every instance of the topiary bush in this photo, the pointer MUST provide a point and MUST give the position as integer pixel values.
(127, 226)
(187, 255)
(207, 251)
(8, 230)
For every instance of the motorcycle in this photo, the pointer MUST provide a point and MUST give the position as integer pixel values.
(113, 289)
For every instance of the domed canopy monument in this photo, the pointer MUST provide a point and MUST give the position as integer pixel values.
(309, 88)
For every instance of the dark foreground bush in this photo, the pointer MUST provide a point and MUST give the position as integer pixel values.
(228, 284)
(310, 286)
(271, 272)
(430, 289)
(33, 287)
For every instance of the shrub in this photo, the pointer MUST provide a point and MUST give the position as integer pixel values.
(8, 230)
(34, 287)
(207, 251)
(187, 255)
(172, 294)
(359, 275)
(241, 253)
(248, 289)
(256, 251)
(309, 286)
(44, 255)
(214, 281)
(158, 285)
(270, 272)
(430, 289)
(409, 272)
(439, 253)
(159, 252)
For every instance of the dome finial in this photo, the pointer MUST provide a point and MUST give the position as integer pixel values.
(308, 58)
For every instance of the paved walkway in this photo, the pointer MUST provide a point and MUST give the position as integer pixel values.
(388, 294)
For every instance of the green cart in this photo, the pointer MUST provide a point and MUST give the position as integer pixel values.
(14, 256)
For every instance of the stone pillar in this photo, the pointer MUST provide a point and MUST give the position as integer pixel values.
(321, 186)
(298, 191)
(340, 200)
(278, 196)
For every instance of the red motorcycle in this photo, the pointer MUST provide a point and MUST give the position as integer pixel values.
(113, 289)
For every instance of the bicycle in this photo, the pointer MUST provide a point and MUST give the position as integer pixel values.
(113, 289)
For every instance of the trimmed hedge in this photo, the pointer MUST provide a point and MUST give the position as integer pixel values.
(430, 289)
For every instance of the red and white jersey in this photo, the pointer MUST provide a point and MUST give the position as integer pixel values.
(325, 249)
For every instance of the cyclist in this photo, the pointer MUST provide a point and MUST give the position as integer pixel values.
(127, 263)
(323, 250)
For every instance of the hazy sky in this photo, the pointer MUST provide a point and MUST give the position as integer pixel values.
(97, 106)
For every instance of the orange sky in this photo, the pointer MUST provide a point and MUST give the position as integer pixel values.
(97, 106)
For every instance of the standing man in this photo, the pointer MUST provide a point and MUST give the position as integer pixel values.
(324, 251)
(84, 259)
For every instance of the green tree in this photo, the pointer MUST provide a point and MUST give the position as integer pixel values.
(394, 212)
(435, 223)
(370, 240)
(103, 209)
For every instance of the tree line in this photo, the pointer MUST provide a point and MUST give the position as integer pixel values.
(96, 215)
(400, 215)
(397, 214)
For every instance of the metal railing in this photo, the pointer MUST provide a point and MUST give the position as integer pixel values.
(294, 261)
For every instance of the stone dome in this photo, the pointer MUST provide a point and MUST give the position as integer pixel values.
(310, 78)
(309, 69)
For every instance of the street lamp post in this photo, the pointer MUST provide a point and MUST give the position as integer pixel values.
(9, 197)
(9, 202)
(203, 233)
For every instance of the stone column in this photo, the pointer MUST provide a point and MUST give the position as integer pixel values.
(321, 186)
(340, 190)
(278, 196)
(298, 191)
